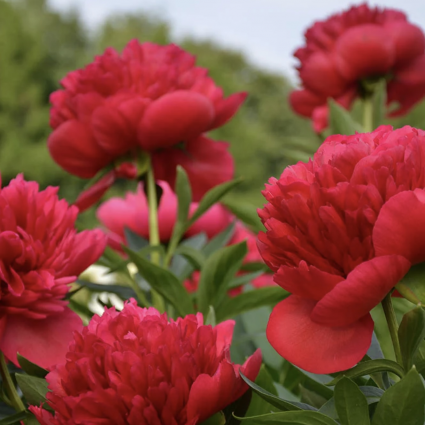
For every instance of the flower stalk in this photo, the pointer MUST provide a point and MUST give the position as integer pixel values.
(368, 114)
(9, 387)
(392, 326)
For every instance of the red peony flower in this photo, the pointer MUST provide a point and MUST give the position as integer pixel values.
(136, 367)
(132, 212)
(361, 43)
(342, 230)
(41, 253)
(151, 98)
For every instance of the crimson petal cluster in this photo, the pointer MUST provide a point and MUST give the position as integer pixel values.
(41, 253)
(342, 230)
(136, 367)
(151, 98)
(360, 43)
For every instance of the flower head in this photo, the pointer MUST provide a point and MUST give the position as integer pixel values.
(359, 44)
(41, 253)
(136, 367)
(151, 98)
(341, 231)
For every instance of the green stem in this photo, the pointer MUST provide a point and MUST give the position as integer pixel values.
(154, 240)
(9, 387)
(392, 326)
(368, 114)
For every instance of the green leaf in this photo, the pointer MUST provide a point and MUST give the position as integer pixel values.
(195, 257)
(411, 333)
(273, 399)
(184, 198)
(245, 212)
(231, 306)
(244, 279)
(299, 417)
(403, 403)
(210, 319)
(414, 280)
(34, 389)
(31, 368)
(213, 196)
(14, 419)
(135, 241)
(350, 403)
(123, 291)
(370, 367)
(216, 274)
(217, 419)
(260, 405)
(164, 282)
(379, 101)
(219, 240)
(341, 122)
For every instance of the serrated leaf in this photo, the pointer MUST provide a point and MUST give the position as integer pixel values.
(164, 282)
(299, 417)
(411, 333)
(216, 274)
(34, 389)
(231, 306)
(370, 367)
(350, 403)
(213, 196)
(31, 368)
(403, 403)
(273, 399)
(341, 122)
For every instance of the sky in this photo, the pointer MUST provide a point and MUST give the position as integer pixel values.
(267, 31)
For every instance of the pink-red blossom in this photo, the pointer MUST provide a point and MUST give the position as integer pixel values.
(362, 43)
(136, 367)
(41, 254)
(151, 98)
(341, 231)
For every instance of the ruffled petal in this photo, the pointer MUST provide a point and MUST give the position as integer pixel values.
(312, 346)
(364, 288)
(43, 342)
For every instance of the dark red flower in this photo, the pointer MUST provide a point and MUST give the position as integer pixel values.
(342, 230)
(360, 43)
(136, 367)
(41, 254)
(151, 98)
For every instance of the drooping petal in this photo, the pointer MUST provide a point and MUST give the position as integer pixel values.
(175, 117)
(43, 342)
(73, 147)
(226, 108)
(304, 102)
(400, 227)
(312, 346)
(364, 288)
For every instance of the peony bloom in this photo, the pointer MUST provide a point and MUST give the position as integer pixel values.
(359, 44)
(132, 212)
(136, 367)
(341, 231)
(41, 253)
(151, 98)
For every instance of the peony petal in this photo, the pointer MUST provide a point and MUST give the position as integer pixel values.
(364, 288)
(207, 163)
(173, 118)
(400, 226)
(306, 281)
(224, 332)
(73, 147)
(226, 108)
(304, 102)
(93, 194)
(43, 342)
(312, 346)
